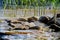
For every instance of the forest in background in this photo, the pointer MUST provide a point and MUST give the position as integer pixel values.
(29, 3)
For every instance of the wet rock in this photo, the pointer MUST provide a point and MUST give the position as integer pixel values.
(35, 18)
(8, 21)
(31, 24)
(2, 34)
(58, 23)
(4, 39)
(32, 19)
(58, 15)
(24, 29)
(16, 22)
(55, 27)
(11, 25)
(35, 27)
(18, 29)
(21, 19)
(1, 39)
(51, 21)
(44, 19)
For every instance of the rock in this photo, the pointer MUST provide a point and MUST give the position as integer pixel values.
(18, 29)
(34, 27)
(58, 15)
(32, 19)
(2, 34)
(36, 19)
(58, 23)
(1, 39)
(51, 21)
(8, 21)
(11, 25)
(31, 24)
(21, 19)
(44, 19)
(55, 27)
(16, 22)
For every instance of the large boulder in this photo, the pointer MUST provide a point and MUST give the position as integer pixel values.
(44, 19)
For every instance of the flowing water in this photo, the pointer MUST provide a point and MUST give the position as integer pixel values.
(4, 27)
